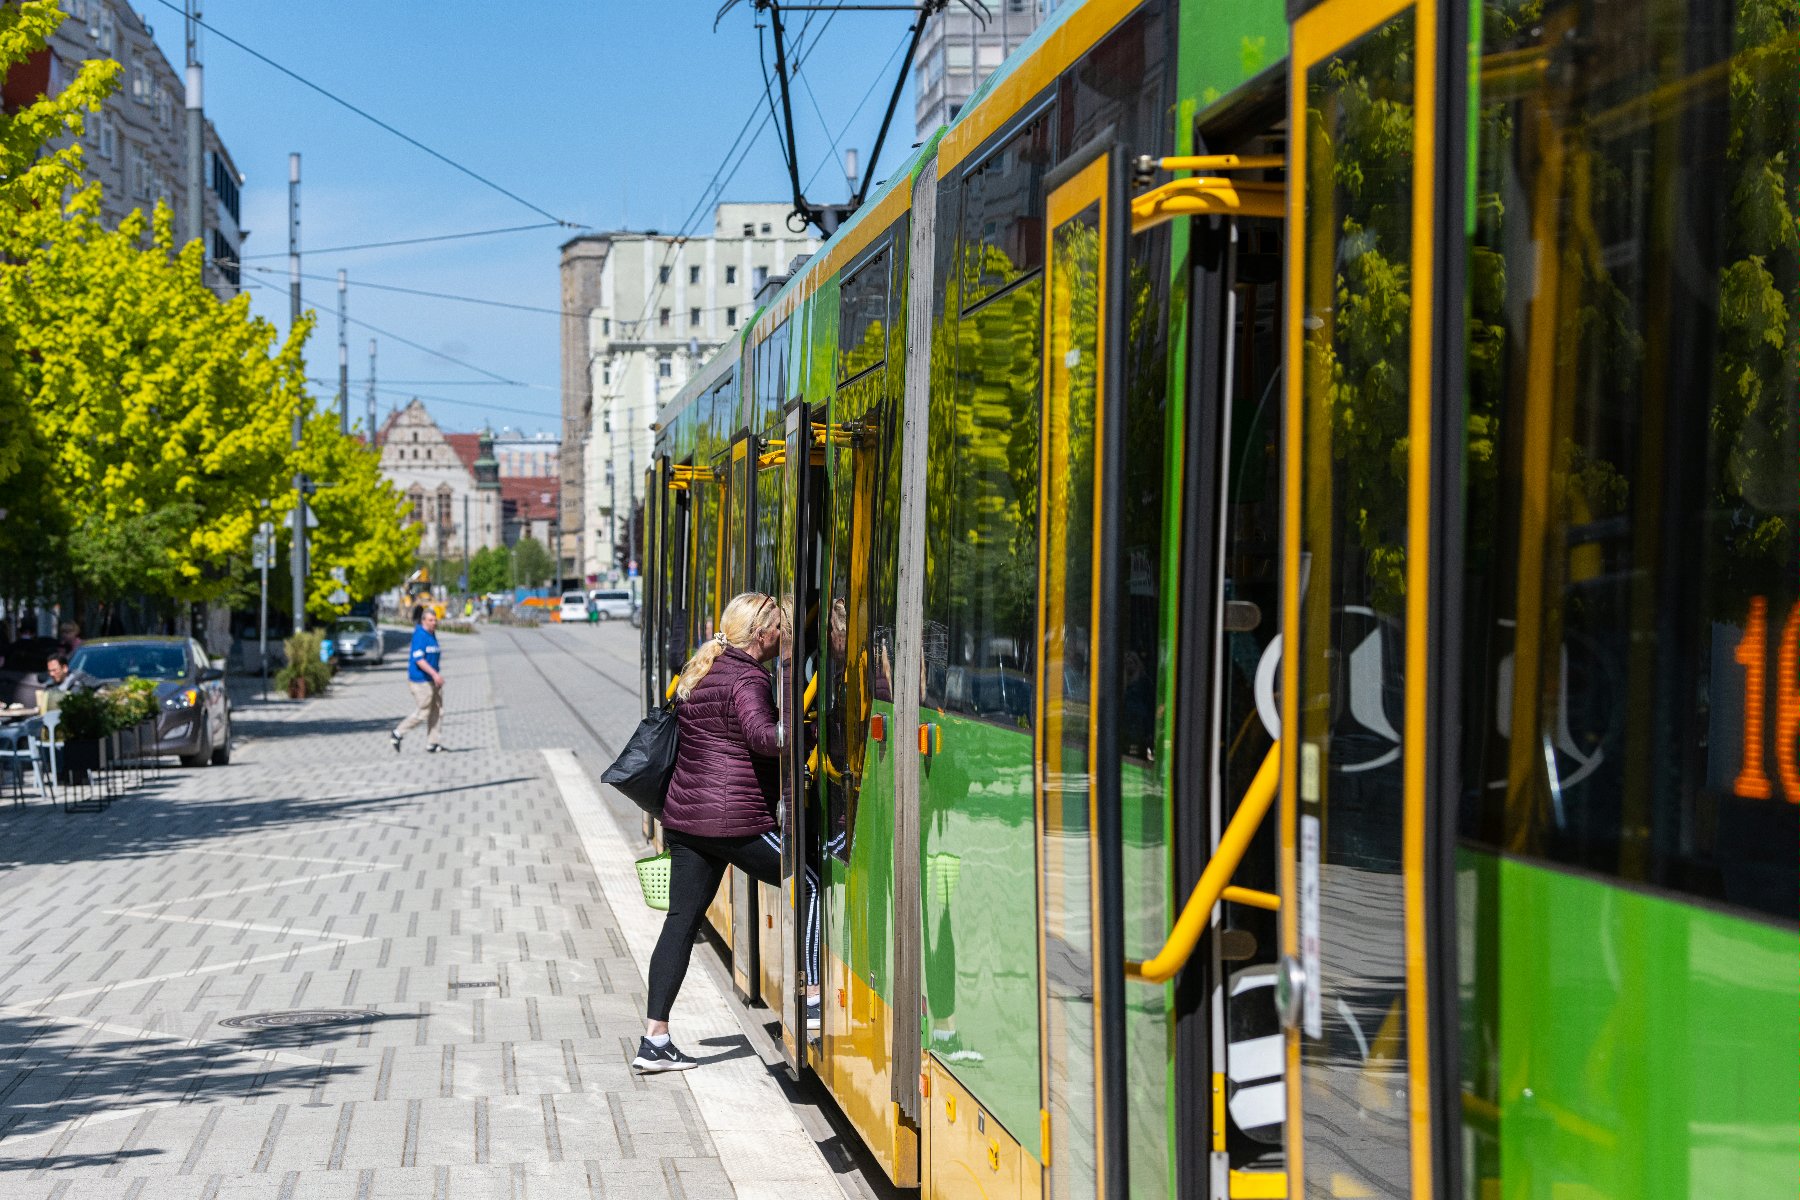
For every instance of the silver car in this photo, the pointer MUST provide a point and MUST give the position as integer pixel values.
(358, 640)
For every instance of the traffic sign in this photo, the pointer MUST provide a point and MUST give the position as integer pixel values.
(259, 561)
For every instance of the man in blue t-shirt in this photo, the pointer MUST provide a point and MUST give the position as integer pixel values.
(425, 680)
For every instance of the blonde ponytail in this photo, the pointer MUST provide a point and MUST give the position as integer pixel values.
(745, 619)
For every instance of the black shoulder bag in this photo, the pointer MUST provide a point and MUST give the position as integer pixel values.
(644, 766)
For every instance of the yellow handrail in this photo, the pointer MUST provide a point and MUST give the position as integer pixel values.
(1252, 897)
(1213, 880)
(1224, 162)
(1204, 195)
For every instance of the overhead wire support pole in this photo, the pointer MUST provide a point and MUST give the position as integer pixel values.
(194, 215)
(297, 552)
(343, 360)
(371, 429)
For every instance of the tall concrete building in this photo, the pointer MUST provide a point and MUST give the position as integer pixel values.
(136, 146)
(958, 52)
(644, 311)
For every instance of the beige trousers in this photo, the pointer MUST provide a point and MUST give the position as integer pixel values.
(428, 699)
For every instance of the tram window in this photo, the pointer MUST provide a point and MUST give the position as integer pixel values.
(862, 318)
(1632, 602)
(981, 662)
(1003, 214)
(770, 374)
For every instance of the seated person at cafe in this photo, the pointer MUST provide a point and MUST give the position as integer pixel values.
(51, 694)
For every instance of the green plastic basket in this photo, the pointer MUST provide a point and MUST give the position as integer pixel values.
(653, 877)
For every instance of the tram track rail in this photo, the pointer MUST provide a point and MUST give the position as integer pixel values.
(574, 709)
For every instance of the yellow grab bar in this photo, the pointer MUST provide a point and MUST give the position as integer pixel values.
(1201, 195)
(1252, 897)
(1213, 880)
(1223, 162)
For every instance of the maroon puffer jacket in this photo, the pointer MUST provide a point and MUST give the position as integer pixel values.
(726, 773)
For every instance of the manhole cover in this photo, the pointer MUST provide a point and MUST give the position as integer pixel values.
(299, 1018)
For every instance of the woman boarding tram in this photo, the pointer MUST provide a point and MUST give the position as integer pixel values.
(1296, 508)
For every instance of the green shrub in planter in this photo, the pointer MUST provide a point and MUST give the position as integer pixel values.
(86, 716)
(133, 702)
(303, 663)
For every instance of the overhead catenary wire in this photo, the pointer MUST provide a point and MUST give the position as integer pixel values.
(415, 241)
(394, 391)
(874, 82)
(431, 295)
(409, 291)
(372, 118)
(717, 186)
(449, 358)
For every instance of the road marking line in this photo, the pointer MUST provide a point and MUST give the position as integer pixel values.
(261, 887)
(235, 923)
(344, 862)
(32, 1008)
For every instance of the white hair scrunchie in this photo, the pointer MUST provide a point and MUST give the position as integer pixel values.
(721, 639)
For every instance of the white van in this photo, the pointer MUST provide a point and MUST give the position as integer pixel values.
(612, 602)
(574, 608)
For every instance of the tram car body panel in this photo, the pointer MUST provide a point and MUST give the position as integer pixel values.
(1124, 429)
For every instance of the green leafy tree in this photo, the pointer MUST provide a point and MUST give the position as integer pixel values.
(488, 570)
(361, 516)
(30, 182)
(167, 413)
(532, 564)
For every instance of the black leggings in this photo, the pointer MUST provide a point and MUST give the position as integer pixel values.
(696, 865)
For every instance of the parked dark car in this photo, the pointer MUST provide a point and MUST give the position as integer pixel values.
(22, 674)
(194, 721)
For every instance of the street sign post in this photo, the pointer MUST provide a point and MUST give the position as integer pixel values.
(264, 544)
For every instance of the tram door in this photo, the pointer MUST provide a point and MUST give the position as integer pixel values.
(795, 585)
(1230, 1093)
(737, 527)
(650, 581)
(1080, 922)
(1353, 824)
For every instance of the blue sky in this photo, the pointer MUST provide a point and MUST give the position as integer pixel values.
(611, 113)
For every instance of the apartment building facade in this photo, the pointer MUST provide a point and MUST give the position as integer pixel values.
(136, 146)
(958, 52)
(652, 309)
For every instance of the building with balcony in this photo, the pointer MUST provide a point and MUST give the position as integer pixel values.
(644, 310)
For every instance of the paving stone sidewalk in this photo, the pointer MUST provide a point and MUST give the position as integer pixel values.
(441, 907)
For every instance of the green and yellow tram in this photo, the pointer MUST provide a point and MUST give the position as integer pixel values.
(1289, 520)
